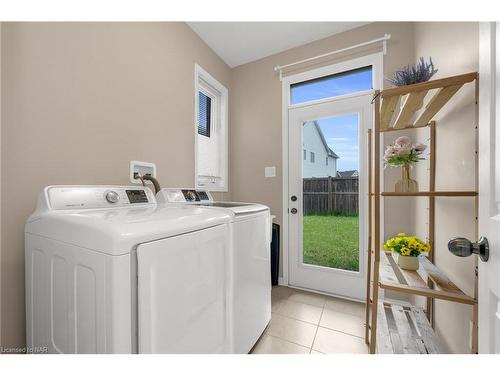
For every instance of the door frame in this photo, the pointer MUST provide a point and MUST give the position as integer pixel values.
(489, 88)
(376, 60)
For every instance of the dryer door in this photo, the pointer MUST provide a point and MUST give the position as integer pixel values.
(183, 293)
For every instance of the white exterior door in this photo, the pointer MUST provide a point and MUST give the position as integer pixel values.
(489, 187)
(327, 247)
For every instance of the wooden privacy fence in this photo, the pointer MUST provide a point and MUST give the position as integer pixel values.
(331, 195)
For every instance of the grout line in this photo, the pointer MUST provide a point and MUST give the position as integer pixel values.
(291, 342)
(298, 320)
(318, 352)
(317, 328)
(345, 333)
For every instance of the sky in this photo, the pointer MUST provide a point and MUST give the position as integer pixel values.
(339, 84)
(341, 132)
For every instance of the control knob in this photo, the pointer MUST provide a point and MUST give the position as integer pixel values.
(191, 196)
(112, 196)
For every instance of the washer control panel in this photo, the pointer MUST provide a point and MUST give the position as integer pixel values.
(75, 197)
(184, 196)
(190, 195)
(137, 196)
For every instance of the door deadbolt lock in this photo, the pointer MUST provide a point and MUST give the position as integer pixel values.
(462, 247)
(293, 211)
(293, 198)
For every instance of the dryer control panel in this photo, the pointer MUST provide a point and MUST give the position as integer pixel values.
(83, 197)
(184, 196)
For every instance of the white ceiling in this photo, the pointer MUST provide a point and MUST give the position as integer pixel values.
(238, 43)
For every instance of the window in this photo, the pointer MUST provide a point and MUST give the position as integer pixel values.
(211, 166)
(305, 154)
(204, 114)
(312, 157)
(327, 160)
(332, 85)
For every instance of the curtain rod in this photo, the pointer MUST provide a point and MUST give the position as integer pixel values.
(384, 39)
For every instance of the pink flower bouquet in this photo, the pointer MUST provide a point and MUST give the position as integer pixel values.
(403, 153)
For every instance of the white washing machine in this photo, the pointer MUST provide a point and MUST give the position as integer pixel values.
(250, 259)
(110, 271)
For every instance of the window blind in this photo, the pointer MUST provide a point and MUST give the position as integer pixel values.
(204, 114)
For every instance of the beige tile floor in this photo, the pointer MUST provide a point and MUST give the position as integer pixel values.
(310, 323)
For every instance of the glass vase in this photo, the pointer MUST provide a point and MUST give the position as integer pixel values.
(406, 184)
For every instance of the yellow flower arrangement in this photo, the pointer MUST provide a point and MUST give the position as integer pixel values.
(407, 245)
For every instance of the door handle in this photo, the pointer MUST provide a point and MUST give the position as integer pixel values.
(462, 247)
(293, 211)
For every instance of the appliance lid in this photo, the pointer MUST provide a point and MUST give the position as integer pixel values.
(238, 208)
(117, 230)
(225, 204)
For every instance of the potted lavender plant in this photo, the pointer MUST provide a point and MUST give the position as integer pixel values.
(409, 75)
(421, 72)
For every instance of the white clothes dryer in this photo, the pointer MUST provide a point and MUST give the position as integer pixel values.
(250, 259)
(110, 271)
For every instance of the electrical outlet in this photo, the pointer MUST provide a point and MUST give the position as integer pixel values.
(142, 168)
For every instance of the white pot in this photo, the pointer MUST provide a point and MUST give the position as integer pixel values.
(408, 263)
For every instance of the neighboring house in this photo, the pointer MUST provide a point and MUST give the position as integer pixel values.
(353, 173)
(318, 159)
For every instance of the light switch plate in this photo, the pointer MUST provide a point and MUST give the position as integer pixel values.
(142, 168)
(270, 172)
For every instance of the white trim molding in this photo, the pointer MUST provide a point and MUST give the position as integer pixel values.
(384, 39)
(376, 61)
(205, 82)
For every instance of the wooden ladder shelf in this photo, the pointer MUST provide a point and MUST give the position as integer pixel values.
(395, 326)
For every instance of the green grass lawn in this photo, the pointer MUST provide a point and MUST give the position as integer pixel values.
(331, 241)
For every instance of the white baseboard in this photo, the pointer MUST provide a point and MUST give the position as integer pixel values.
(281, 281)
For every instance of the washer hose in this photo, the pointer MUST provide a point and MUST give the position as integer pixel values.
(155, 182)
(148, 177)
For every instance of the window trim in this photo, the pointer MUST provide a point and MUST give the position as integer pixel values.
(220, 108)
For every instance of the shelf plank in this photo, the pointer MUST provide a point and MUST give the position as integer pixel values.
(403, 329)
(403, 128)
(430, 85)
(431, 194)
(392, 277)
(391, 273)
(439, 279)
(436, 103)
(412, 104)
(387, 111)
